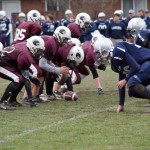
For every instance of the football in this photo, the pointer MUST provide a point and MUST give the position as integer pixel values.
(70, 96)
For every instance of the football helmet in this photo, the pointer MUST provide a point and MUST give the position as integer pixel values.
(21, 14)
(103, 46)
(95, 35)
(76, 55)
(135, 25)
(36, 45)
(34, 15)
(2, 14)
(68, 12)
(101, 14)
(62, 34)
(75, 41)
(83, 20)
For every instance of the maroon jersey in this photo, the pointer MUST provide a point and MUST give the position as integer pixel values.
(61, 57)
(51, 47)
(89, 53)
(26, 30)
(75, 29)
(17, 55)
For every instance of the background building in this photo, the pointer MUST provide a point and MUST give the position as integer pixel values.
(58, 7)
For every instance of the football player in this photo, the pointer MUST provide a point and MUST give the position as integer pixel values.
(5, 29)
(71, 57)
(138, 32)
(21, 19)
(82, 22)
(29, 28)
(49, 25)
(52, 44)
(102, 23)
(69, 18)
(81, 71)
(132, 63)
(15, 62)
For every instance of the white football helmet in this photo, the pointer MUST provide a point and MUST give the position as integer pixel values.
(76, 54)
(2, 14)
(68, 12)
(101, 14)
(135, 25)
(62, 33)
(95, 35)
(34, 16)
(103, 46)
(83, 20)
(36, 45)
(21, 14)
(75, 41)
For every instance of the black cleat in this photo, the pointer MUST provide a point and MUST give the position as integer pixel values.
(28, 102)
(6, 106)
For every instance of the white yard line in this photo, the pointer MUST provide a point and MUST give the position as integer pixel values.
(28, 132)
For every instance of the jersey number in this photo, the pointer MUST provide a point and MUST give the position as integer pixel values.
(20, 34)
(7, 50)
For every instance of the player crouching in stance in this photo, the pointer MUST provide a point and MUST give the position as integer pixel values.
(71, 59)
(15, 63)
(132, 63)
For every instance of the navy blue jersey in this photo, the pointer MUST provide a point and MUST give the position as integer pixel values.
(4, 25)
(48, 28)
(140, 54)
(127, 60)
(127, 54)
(143, 38)
(102, 26)
(147, 21)
(116, 30)
(65, 22)
(86, 33)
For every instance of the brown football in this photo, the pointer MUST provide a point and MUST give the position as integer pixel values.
(70, 96)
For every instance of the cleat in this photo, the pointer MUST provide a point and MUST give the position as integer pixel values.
(6, 106)
(15, 104)
(28, 102)
(43, 98)
(120, 108)
(54, 96)
(57, 95)
(37, 99)
(51, 97)
(100, 91)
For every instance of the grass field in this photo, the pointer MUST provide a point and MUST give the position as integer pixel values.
(91, 123)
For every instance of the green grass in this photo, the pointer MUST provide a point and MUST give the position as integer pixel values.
(90, 123)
